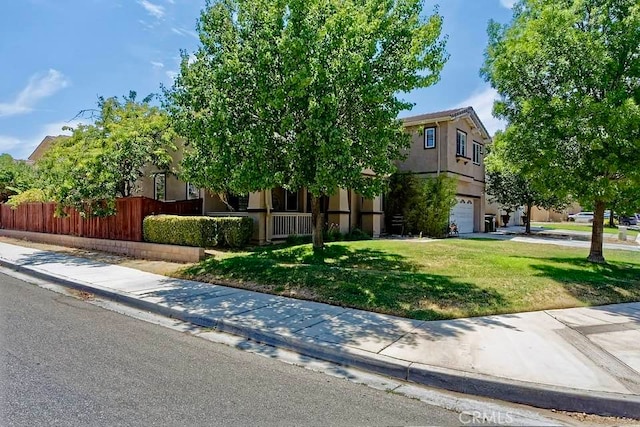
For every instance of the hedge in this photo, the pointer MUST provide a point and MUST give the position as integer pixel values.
(200, 231)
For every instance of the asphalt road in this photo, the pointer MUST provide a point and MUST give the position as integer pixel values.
(67, 362)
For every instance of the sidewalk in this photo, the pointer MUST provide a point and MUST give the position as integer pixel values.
(569, 238)
(583, 359)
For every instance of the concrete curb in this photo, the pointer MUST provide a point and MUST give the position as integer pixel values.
(542, 396)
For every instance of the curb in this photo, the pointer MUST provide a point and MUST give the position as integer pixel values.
(547, 396)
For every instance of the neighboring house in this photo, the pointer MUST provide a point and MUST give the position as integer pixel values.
(452, 142)
(43, 147)
(547, 215)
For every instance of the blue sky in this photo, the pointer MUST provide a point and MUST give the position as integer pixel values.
(57, 56)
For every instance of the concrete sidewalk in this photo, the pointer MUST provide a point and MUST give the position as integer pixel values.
(584, 359)
(568, 238)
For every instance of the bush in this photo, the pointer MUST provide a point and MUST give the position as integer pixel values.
(424, 203)
(295, 240)
(34, 195)
(357, 234)
(200, 231)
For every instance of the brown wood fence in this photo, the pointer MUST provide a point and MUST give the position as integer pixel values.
(126, 224)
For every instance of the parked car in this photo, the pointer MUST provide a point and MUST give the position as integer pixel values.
(581, 217)
(629, 220)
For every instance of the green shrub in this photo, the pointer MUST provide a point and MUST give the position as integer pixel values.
(33, 195)
(235, 232)
(296, 239)
(357, 234)
(200, 231)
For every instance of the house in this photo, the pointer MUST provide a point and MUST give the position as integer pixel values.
(451, 142)
(43, 147)
(277, 213)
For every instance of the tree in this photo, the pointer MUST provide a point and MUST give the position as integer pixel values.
(509, 187)
(568, 75)
(102, 161)
(15, 176)
(430, 212)
(302, 93)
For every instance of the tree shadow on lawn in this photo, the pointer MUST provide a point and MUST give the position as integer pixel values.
(339, 255)
(593, 284)
(358, 278)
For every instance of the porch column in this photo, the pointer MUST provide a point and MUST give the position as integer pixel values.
(372, 216)
(257, 209)
(338, 212)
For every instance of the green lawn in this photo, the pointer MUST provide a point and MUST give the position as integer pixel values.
(579, 227)
(432, 280)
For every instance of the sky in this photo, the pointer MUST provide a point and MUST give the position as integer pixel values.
(58, 56)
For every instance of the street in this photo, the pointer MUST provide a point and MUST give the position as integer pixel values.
(67, 362)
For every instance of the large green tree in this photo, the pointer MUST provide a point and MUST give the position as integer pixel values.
(302, 93)
(103, 160)
(568, 73)
(511, 188)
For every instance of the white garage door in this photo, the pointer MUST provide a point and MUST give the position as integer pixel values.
(462, 215)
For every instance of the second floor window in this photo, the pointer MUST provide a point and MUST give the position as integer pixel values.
(461, 143)
(429, 137)
(477, 153)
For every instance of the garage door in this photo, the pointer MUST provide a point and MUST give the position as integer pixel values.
(462, 215)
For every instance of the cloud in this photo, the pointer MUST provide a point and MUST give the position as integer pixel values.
(508, 3)
(482, 103)
(171, 74)
(21, 148)
(8, 143)
(39, 87)
(157, 65)
(152, 9)
(184, 32)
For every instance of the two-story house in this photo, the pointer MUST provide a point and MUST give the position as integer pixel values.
(452, 142)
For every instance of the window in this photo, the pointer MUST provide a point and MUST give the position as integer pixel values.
(290, 200)
(461, 144)
(429, 137)
(193, 192)
(160, 186)
(477, 153)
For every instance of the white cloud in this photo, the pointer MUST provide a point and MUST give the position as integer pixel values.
(39, 87)
(184, 32)
(157, 65)
(8, 143)
(482, 103)
(508, 3)
(21, 148)
(152, 9)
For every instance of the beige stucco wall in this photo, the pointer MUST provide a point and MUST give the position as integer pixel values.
(425, 160)
(428, 162)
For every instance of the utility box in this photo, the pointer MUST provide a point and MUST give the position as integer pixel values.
(622, 233)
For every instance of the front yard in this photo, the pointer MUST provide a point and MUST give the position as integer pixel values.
(431, 279)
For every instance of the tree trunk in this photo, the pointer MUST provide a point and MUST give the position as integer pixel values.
(316, 221)
(595, 254)
(527, 229)
(611, 224)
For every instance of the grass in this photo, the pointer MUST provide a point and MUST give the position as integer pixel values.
(580, 227)
(432, 280)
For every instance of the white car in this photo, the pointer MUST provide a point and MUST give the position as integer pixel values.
(581, 217)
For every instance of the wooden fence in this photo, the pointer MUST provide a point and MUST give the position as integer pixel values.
(126, 224)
